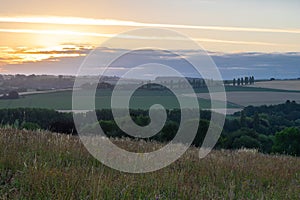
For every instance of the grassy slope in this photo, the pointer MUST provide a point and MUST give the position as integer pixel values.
(63, 101)
(40, 165)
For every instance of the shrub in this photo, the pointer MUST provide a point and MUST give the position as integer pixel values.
(287, 141)
(30, 126)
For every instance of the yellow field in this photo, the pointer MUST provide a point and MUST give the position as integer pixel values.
(282, 85)
(257, 98)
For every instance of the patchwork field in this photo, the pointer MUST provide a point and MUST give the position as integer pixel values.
(282, 85)
(257, 98)
(237, 97)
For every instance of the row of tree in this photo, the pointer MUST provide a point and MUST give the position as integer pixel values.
(243, 81)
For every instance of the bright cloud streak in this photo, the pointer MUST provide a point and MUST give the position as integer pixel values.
(56, 32)
(111, 22)
(63, 32)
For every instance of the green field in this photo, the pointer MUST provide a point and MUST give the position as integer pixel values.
(63, 100)
(141, 99)
(41, 165)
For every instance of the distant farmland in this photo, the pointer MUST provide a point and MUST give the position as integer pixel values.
(237, 97)
(258, 98)
(63, 101)
(282, 85)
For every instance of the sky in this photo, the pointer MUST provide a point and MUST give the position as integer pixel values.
(53, 37)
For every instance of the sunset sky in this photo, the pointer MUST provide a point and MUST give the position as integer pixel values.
(38, 35)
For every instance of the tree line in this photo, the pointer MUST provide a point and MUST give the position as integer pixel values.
(243, 81)
(270, 129)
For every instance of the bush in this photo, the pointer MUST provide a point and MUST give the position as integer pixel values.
(30, 126)
(246, 142)
(244, 137)
(266, 142)
(287, 141)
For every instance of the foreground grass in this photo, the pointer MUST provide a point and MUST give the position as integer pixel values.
(41, 165)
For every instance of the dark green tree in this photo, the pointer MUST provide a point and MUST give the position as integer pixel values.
(246, 141)
(266, 143)
(256, 121)
(243, 121)
(246, 80)
(287, 141)
(253, 80)
(243, 137)
(30, 126)
(167, 133)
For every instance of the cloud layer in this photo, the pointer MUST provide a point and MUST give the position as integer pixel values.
(261, 65)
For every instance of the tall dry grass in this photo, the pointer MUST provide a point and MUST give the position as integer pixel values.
(41, 165)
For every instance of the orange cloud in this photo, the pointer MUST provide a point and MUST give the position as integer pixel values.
(24, 54)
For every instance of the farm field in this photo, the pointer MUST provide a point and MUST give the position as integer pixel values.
(42, 165)
(237, 97)
(282, 85)
(63, 101)
(257, 98)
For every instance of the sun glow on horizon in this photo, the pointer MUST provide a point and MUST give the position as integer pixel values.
(52, 54)
(46, 40)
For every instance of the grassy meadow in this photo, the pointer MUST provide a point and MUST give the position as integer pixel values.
(42, 165)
